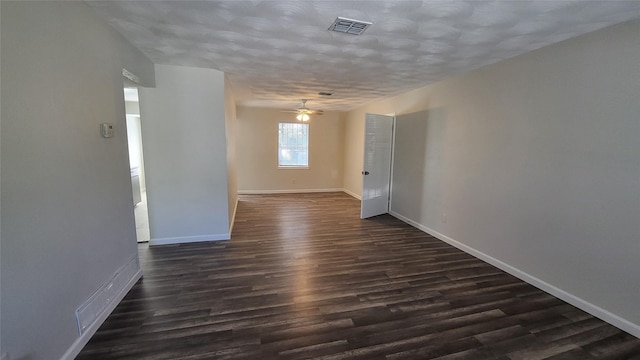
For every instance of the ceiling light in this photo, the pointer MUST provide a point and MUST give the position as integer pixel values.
(302, 117)
(349, 26)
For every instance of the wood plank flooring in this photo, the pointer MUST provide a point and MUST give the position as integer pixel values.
(304, 278)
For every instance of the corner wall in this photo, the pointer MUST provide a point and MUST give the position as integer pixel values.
(230, 135)
(532, 163)
(185, 155)
(67, 208)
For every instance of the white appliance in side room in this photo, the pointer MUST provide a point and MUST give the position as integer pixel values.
(135, 185)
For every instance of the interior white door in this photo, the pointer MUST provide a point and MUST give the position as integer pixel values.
(376, 175)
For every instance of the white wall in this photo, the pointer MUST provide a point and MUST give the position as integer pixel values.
(134, 138)
(230, 135)
(257, 152)
(67, 213)
(535, 162)
(1, 347)
(132, 107)
(185, 155)
(353, 156)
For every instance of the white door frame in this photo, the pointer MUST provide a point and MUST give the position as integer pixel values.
(377, 205)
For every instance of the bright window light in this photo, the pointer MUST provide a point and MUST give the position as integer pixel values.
(293, 145)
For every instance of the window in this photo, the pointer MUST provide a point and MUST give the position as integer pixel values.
(293, 145)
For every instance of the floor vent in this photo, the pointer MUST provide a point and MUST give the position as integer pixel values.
(349, 26)
(88, 312)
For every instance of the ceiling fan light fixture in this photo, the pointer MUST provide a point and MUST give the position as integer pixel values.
(302, 117)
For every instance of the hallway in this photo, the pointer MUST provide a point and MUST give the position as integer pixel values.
(304, 278)
(141, 214)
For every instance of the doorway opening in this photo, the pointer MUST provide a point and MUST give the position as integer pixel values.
(136, 163)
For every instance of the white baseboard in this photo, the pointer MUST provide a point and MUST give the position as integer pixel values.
(348, 192)
(286, 191)
(233, 217)
(613, 319)
(189, 239)
(83, 339)
(297, 191)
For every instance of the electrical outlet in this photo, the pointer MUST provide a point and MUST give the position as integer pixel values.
(444, 218)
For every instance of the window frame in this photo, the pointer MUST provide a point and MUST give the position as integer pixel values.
(294, 167)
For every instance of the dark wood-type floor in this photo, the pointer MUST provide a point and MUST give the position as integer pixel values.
(304, 278)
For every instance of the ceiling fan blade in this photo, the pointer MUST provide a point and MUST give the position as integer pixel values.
(304, 110)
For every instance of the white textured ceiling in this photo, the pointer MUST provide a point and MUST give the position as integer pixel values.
(277, 52)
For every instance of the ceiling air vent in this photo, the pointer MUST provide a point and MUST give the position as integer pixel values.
(349, 26)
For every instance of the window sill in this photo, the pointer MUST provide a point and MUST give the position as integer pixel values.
(294, 167)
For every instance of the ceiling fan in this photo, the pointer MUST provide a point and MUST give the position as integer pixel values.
(303, 112)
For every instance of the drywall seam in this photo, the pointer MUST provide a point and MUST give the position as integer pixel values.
(189, 239)
(615, 320)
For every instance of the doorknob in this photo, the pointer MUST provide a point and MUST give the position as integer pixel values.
(365, 173)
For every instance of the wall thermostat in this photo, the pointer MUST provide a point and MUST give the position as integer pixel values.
(106, 130)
